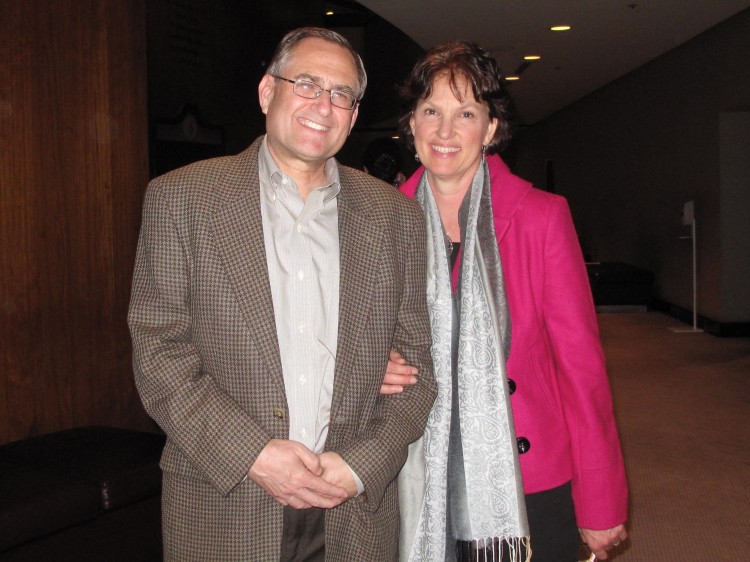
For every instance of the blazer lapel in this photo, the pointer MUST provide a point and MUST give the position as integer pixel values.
(508, 193)
(239, 238)
(359, 242)
(501, 227)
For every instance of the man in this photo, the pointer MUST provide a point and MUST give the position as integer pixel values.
(268, 290)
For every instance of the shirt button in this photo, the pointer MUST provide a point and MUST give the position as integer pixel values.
(302, 378)
(301, 275)
(301, 326)
(273, 197)
(299, 227)
(303, 432)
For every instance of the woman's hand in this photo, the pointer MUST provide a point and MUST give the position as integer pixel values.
(601, 542)
(397, 374)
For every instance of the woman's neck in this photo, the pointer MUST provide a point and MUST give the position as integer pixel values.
(449, 194)
(448, 204)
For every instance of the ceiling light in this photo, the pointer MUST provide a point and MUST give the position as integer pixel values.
(512, 78)
(532, 57)
(329, 13)
(560, 28)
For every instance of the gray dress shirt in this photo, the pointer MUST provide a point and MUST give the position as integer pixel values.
(302, 252)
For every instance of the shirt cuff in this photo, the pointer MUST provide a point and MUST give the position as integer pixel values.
(360, 486)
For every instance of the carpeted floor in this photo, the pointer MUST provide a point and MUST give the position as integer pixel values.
(682, 401)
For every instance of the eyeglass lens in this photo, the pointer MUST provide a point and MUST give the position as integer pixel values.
(310, 90)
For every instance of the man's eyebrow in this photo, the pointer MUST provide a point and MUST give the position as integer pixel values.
(308, 77)
(318, 80)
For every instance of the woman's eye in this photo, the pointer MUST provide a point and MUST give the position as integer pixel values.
(467, 114)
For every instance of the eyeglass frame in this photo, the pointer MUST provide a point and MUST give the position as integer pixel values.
(320, 90)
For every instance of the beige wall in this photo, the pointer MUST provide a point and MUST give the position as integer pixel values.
(734, 178)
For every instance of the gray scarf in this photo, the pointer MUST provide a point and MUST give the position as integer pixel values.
(495, 506)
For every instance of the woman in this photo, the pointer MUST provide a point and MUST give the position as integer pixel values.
(504, 266)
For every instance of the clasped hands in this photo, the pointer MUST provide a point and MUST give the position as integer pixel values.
(293, 475)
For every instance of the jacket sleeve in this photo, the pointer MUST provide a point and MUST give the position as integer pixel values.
(200, 419)
(380, 454)
(599, 485)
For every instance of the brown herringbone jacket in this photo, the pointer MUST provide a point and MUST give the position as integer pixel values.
(207, 363)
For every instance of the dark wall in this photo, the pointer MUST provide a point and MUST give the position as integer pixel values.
(630, 155)
(209, 57)
(73, 169)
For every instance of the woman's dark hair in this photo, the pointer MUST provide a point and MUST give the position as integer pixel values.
(460, 60)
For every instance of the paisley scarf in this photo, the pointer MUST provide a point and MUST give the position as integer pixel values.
(493, 508)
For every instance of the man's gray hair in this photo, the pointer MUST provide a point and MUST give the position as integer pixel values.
(285, 49)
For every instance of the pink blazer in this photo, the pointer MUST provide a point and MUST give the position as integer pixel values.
(562, 404)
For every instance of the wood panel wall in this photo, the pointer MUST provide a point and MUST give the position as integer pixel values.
(73, 170)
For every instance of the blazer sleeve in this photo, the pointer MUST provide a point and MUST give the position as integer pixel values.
(599, 485)
(201, 420)
(378, 457)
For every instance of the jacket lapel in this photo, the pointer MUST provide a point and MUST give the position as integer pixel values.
(239, 238)
(359, 242)
(501, 227)
(508, 193)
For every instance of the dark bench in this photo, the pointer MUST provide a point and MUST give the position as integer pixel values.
(615, 284)
(90, 493)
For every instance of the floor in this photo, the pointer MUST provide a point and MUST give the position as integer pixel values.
(682, 401)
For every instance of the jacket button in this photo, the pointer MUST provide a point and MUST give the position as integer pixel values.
(523, 445)
(511, 386)
(279, 413)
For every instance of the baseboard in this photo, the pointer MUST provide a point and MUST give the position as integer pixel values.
(605, 308)
(713, 327)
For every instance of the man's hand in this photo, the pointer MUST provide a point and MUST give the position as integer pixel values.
(291, 474)
(600, 542)
(397, 374)
(337, 472)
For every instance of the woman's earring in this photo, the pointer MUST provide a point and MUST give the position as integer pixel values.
(416, 157)
(484, 149)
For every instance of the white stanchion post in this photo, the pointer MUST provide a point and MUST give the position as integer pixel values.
(688, 217)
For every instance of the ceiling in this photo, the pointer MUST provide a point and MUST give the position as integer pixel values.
(608, 39)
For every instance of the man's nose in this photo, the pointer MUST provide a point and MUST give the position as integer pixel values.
(323, 102)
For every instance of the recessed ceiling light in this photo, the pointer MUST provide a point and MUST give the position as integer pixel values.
(560, 28)
(395, 137)
(532, 57)
(329, 13)
(512, 78)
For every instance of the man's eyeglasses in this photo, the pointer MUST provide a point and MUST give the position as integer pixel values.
(310, 90)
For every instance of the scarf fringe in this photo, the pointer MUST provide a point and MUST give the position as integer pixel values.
(519, 549)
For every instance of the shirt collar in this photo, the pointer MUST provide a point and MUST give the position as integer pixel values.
(269, 170)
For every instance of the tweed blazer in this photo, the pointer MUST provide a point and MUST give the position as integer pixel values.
(208, 369)
(562, 404)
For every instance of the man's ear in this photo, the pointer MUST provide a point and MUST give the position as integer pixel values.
(265, 92)
(355, 113)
